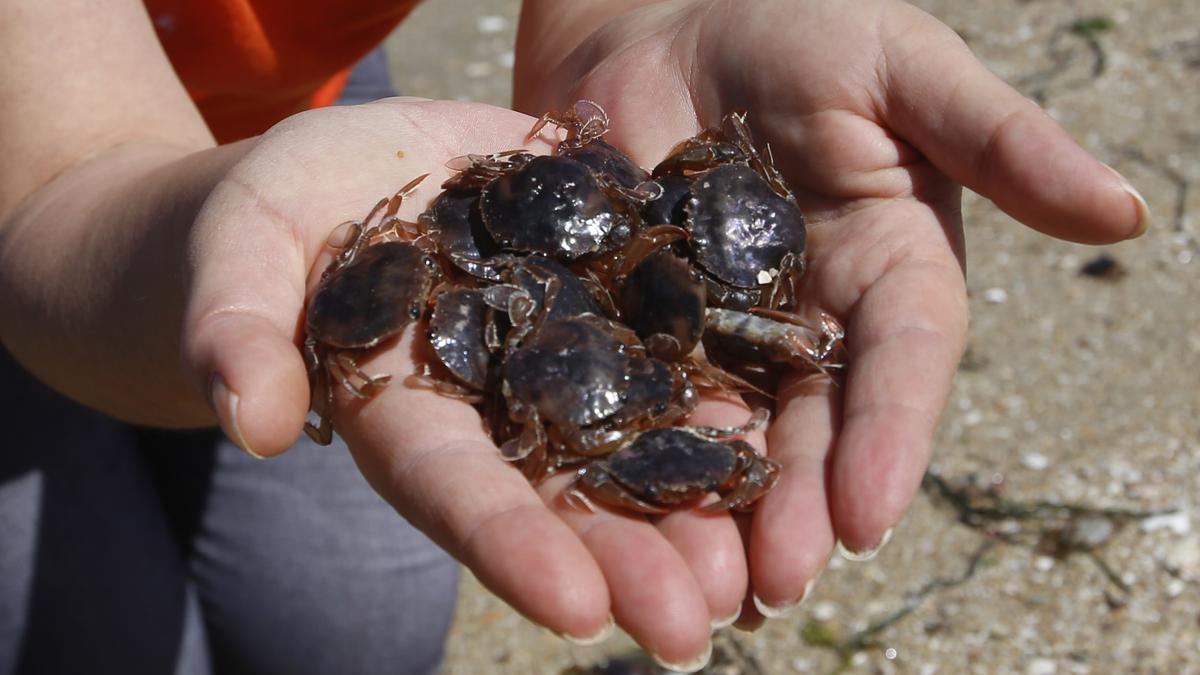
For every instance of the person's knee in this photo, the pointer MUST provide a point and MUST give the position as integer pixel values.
(301, 568)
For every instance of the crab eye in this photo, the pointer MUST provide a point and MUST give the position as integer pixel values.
(427, 261)
(414, 311)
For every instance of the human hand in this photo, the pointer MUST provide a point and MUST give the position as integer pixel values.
(876, 113)
(259, 248)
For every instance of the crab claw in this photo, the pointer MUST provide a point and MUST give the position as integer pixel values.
(757, 475)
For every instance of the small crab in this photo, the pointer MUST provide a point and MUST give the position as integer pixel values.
(363, 302)
(584, 123)
(766, 337)
(455, 226)
(746, 230)
(659, 470)
(462, 335)
(536, 289)
(729, 144)
(662, 297)
(371, 290)
(555, 206)
(658, 394)
(745, 236)
(570, 374)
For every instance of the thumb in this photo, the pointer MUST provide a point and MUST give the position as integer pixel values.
(241, 326)
(987, 136)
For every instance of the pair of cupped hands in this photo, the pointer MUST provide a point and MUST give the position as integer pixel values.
(876, 113)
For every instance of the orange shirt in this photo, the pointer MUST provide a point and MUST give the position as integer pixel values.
(250, 63)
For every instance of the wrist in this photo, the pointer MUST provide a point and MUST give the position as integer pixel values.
(92, 263)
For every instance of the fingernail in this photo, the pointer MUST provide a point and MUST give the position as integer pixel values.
(780, 610)
(689, 666)
(225, 402)
(725, 622)
(599, 636)
(867, 553)
(1143, 209)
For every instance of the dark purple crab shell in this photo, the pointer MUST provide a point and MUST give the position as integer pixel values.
(455, 224)
(372, 298)
(572, 371)
(605, 160)
(668, 208)
(552, 205)
(671, 466)
(665, 295)
(740, 227)
(456, 333)
(650, 390)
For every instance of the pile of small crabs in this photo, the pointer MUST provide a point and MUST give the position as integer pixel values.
(584, 304)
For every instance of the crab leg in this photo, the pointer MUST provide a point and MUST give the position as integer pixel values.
(827, 341)
(593, 481)
(758, 420)
(646, 243)
(425, 375)
(322, 404)
(783, 289)
(596, 442)
(347, 368)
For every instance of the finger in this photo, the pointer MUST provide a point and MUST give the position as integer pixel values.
(985, 135)
(240, 329)
(655, 597)
(748, 618)
(792, 534)
(905, 338)
(712, 548)
(711, 544)
(428, 456)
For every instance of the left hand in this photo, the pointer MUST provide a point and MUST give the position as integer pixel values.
(876, 113)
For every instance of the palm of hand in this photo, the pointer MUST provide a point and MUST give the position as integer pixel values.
(885, 256)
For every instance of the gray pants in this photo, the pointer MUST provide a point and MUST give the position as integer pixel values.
(126, 550)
